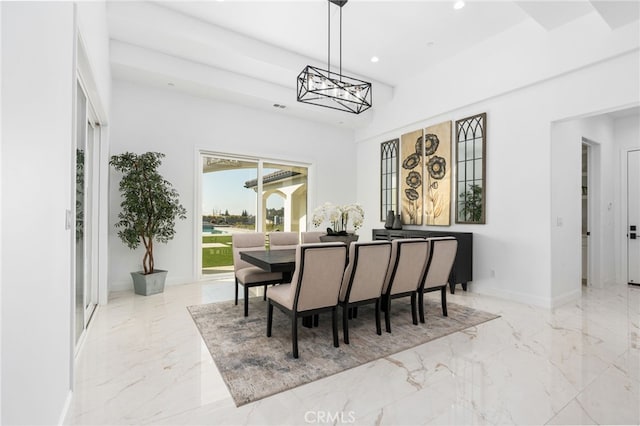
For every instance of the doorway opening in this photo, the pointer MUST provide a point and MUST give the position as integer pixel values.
(633, 217)
(585, 213)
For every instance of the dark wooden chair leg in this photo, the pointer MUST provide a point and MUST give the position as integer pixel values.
(443, 296)
(345, 323)
(452, 287)
(264, 295)
(246, 301)
(378, 328)
(334, 323)
(236, 291)
(387, 316)
(464, 286)
(269, 319)
(414, 313)
(294, 335)
(421, 306)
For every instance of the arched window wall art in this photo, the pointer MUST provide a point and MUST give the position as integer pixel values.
(471, 139)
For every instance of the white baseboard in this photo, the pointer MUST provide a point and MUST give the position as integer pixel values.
(128, 284)
(515, 296)
(566, 298)
(65, 408)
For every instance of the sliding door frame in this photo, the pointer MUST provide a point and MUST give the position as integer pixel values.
(197, 206)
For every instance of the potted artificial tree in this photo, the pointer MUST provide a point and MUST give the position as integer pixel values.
(150, 206)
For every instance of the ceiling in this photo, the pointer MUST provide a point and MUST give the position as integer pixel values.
(250, 52)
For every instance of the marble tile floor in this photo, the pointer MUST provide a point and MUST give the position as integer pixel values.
(143, 362)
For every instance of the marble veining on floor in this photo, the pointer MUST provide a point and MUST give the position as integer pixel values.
(143, 362)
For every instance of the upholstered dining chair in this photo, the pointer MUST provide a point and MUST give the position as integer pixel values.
(283, 240)
(314, 287)
(311, 236)
(405, 274)
(246, 274)
(363, 279)
(442, 254)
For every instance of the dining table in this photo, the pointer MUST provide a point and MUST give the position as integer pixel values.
(277, 261)
(272, 261)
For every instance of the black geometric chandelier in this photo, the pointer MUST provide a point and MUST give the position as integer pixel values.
(333, 90)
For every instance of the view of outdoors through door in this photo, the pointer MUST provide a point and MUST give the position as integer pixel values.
(230, 203)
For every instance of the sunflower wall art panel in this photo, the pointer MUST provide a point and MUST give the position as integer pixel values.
(437, 174)
(411, 173)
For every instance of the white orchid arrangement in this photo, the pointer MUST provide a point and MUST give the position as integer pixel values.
(338, 216)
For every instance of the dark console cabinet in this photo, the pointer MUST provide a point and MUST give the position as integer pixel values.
(463, 266)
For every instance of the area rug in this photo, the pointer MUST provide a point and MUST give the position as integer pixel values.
(255, 366)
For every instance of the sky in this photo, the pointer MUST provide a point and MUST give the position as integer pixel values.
(224, 190)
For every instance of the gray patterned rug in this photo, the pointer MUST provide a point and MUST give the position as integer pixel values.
(255, 366)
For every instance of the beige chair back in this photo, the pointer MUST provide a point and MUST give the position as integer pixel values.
(408, 263)
(283, 240)
(318, 275)
(443, 254)
(368, 264)
(311, 237)
(245, 242)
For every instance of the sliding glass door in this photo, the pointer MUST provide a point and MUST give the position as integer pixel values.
(86, 271)
(230, 203)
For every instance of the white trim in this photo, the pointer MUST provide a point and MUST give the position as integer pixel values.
(72, 193)
(567, 297)
(625, 212)
(197, 217)
(1, 222)
(594, 192)
(515, 296)
(65, 408)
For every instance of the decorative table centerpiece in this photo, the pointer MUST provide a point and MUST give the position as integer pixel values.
(338, 217)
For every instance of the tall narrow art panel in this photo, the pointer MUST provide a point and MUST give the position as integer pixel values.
(471, 141)
(389, 177)
(411, 188)
(437, 174)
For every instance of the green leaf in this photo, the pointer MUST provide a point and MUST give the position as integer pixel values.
(150, 205)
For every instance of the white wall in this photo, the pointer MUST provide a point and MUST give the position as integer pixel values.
(512, 252)
(566, 220)
(37, 164)
(521, 56)
(152, 119)
(37, 107)
(92, 27)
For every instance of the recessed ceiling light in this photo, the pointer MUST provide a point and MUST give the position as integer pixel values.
(458, 5)
(374, 59)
